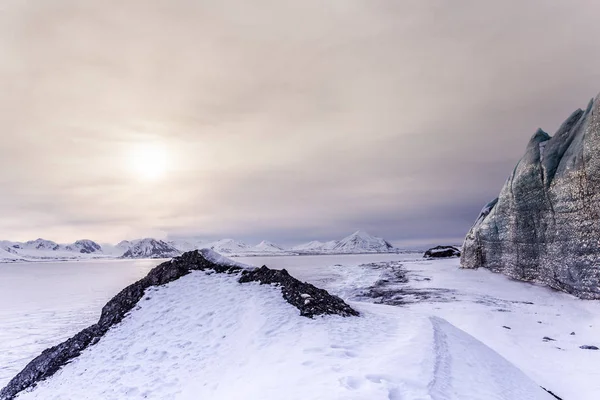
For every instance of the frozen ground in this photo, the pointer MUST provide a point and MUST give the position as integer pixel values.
(207, 336)
(511, 318)
(42, 304)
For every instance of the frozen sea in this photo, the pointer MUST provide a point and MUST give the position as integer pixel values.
(44, 303)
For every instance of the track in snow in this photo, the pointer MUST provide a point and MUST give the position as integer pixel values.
(440, 385)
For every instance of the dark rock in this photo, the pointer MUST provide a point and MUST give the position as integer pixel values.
(588, 347)
(572, 333)
(545, 224)
(318, 302)
(310, 300)
(442, 252)
(552, 394)
(506, 327)
(548, 339)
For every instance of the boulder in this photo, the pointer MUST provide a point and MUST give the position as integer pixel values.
(545, 225)
(442, 252)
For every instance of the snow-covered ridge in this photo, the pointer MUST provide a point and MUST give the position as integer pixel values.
(44, 250)
(308, 299)
(205, 335)
(357, 242)
(150, 248)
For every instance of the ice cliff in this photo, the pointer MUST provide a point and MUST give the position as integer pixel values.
(545, 224)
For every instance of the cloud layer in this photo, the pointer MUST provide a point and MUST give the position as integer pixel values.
(287, 120)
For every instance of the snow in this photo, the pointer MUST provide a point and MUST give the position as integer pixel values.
(47, 250)
(482, 303)
(228, 246)
(207, 336)
(356, 243)
(6, 256)
(151, 248)
(217, 258)
(42, 304)
(269, 247)
(361, 241)
(64, 298)
(313, 245)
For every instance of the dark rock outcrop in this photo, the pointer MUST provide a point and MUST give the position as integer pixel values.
(310, 300)
(588, 347)
(545, 225)
(442, 252)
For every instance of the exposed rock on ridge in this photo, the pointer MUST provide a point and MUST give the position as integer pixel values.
(310, 300)
(545, 224)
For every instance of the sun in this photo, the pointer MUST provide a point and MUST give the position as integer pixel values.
(148, 161)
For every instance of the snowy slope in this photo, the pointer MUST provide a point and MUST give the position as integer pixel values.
(207, 336)
(362, 242)
(315, 245)
(150, 248)
(45, 250)
(85, 246)
(268, 247)
(39, 244)
(356, 243)
(184, 245)
(228, 246)
(6, 256)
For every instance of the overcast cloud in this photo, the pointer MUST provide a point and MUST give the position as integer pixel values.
(284, 120)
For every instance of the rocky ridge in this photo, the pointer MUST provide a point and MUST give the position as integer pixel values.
(309, 300)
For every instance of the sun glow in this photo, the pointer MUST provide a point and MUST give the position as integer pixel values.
(148, 161)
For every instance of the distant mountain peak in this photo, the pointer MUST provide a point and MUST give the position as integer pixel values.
(150, 248)
(85, 246)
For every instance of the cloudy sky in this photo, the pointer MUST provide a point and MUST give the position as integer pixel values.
(286, 120)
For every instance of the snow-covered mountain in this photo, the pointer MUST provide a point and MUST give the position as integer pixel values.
(9, 256)
(269, 247)
(47, 250)
(38, 244)
(358, 242)
(150, 248)
(184, 245)
(149, 339)
(229, 246)
(85, 246)
(310, 246)
(362, 242)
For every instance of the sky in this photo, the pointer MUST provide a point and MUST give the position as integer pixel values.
(277, 119)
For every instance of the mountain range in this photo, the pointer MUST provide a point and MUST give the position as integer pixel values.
(46, 250)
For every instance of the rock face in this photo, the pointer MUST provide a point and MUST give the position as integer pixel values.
(310, 300)
(545, 225)
(442, 252)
